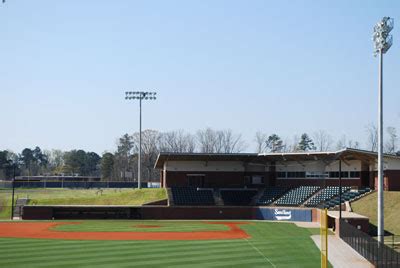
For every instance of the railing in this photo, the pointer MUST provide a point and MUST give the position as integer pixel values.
(75, 184)
(377, 253)
(392, 241)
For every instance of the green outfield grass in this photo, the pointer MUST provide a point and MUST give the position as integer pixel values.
(271, 245)
(80, 197)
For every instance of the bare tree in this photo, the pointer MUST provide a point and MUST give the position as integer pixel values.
(219, 141)
(260, 139)
(231, 143)
(56, 160)
(322, 140)
(343, 143)
(391, 143)
(287, 146)
(292, 146)
(151, 140)
(178, 142)
(354, 144)
(206, 139)
(372, 140)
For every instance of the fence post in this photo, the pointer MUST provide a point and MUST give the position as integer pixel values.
(324, 237)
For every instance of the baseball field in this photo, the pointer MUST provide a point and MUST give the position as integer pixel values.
(156, 244)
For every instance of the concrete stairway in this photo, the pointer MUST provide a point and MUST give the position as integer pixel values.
(317, 193)
(18, 207)
(257, 197)
(170, 197)
(217, 198)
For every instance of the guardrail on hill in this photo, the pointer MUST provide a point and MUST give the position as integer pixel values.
(374, 251)
(393, 241)
(74, 184)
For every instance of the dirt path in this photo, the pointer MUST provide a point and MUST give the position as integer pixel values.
(43, 230)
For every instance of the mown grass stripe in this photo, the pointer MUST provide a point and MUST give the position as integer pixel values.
(138, 244)
(231, 262)
(171, 260)
(259, 252)
(155, 249)
(21, 242)
(122, 252)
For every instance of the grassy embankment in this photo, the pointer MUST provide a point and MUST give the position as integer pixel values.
(80, 197)
(367, 206)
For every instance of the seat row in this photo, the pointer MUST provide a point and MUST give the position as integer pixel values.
(324, 195)
(297, 196)
(238, 197)
(192, 196)
(271, 194)
(347, 196)
(310, 196)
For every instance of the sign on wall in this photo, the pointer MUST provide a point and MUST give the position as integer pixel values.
(284, 214)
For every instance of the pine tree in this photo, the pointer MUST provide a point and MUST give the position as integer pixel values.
(306, 143)
(274, 143)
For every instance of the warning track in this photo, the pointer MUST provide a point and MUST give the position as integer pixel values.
(44, 230)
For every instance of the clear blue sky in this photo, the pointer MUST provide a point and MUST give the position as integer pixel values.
(283, 67)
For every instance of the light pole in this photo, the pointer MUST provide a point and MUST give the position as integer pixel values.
(13, 192)
(382, 42)
(340, 190)
(140, 95)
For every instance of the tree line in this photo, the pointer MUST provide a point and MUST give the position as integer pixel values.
(34, 162)
(121, 165)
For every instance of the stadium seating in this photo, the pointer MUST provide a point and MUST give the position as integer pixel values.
(238, 197)
(325, 194)
(310, 196)
(297, 196)
(347, 196)
(191, 196)
(271, 194)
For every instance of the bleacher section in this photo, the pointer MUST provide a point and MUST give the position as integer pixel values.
(347, 196)
(297, 196)
(309, 196)
(191, 196)
(325, 194)
(271, 194)
(237, 197)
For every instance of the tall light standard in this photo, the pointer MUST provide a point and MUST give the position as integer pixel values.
(13, 191)
(382, 42)
(140, 95)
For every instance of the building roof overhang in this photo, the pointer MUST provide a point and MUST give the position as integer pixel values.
(346, 154)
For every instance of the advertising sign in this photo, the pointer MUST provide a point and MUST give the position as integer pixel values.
(284, 214)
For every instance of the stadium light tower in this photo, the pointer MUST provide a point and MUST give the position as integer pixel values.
(140, 95)
(382, 42)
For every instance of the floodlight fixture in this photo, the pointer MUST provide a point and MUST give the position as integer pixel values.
(382, 42)
(381, 37)
(140, 95)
